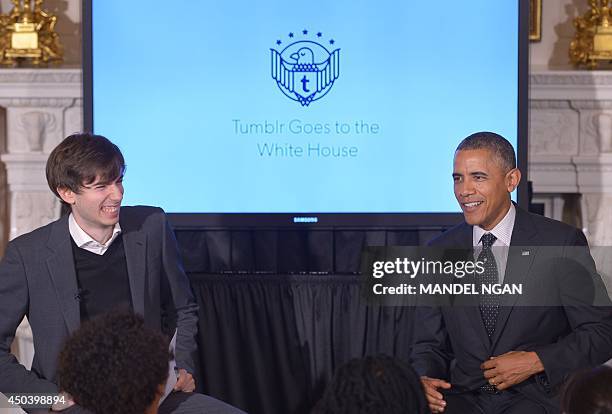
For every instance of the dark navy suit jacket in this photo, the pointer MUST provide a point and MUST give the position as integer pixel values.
(560, 322)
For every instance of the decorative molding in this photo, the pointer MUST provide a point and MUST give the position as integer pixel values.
(570, 85)
(36, 209)
(36, 125)
(554, 168)
(553, 132)
(40, 102)
(589, 132)
(570, 77)
(570, 143)
(600, 160)
(549, 105)
(18, 134)
(553, 174)
(598, 218)
(73, 119)
(591, 105)
(594, 174)
(40, 83)
(603, 124)
(571, 120)
(25, 171)
(12, 76)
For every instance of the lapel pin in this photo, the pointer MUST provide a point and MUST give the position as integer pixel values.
(525, 253)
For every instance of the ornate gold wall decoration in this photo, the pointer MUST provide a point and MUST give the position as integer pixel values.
(27, 35)
(592, 42)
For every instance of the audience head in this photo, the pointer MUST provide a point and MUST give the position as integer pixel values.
(372, 385)
(589, 392)
(113, 364)
(484, 175)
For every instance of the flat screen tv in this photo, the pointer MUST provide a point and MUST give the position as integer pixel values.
(324, 113)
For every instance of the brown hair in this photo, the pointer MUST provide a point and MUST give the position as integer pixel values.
(82, 158)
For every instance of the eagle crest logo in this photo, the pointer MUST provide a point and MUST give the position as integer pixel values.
(305, 70)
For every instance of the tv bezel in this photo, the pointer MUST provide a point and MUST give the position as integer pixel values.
(332, 220)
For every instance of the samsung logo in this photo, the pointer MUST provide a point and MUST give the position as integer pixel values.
(305, 219)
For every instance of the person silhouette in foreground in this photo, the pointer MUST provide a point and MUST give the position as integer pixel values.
(373, 385)
(113, 364)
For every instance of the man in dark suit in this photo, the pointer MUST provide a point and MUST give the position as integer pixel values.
(510, 354)
(97, 258)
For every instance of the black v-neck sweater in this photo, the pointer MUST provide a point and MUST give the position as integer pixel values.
(102, 280)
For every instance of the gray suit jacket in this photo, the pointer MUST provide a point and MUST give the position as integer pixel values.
(38, 280)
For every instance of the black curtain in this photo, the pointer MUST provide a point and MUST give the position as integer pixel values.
(269, 344)
(280, 310)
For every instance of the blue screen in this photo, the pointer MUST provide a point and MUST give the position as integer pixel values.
(284, 107)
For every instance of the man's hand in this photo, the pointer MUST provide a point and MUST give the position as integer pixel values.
(511, 368)
(434, 398)
(185, 382)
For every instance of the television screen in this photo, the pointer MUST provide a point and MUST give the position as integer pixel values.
(300, 108)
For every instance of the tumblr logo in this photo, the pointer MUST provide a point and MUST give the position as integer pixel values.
(305, 70)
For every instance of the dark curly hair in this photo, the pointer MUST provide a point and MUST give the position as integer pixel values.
(113, 364)
(589, 392)
(373, 385)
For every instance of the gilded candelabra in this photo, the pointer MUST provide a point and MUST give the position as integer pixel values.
(27, 34)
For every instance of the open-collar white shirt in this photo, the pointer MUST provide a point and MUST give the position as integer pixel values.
(85, 241)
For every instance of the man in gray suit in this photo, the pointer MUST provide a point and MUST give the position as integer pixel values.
(98, 258)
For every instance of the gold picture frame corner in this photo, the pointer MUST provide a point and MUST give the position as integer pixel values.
(535, 20)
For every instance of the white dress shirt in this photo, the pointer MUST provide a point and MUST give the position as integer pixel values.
(85, 241)
(503, 233)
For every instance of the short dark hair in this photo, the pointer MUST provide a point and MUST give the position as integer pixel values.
(113, 364)
(372, 385)
(589, 392)
(81, 158)
(498, 145)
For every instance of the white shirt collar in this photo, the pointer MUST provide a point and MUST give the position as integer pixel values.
(85, 241)
(503, 230)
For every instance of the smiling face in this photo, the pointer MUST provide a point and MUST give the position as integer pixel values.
(482, 187)
(96, 206)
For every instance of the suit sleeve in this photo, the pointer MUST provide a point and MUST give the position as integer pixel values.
(430, 354)
(14, 378)
(183, 299)
(590, 341)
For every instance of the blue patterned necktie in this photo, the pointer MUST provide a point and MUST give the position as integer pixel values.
(488, 303)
